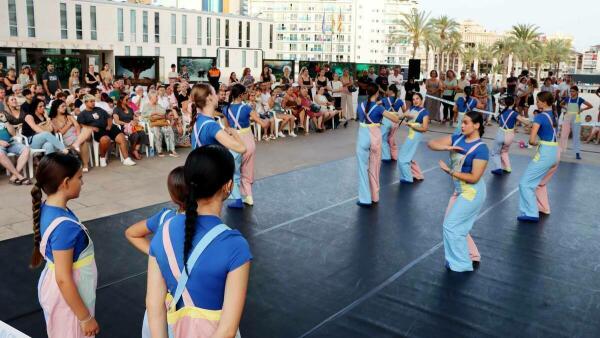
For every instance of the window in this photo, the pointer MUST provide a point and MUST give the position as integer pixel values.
(12, 18)
(243, 58)
(93, 30)
(203, 51)
(145, 26)
(270, 36)
(248, 34)
(240, 33)
(178, 51)
(120, 34)
(157, 51)
(199, 30)
(30, 19)
(260, 35)
(184, 29)
(227, 58)
(127, 50)
(189, 52)
(255, 59)
(140, 51)
(78, 23)
(173, 28)
(208, 32)
(132, 25)
(219, 32)
(156, 27)
(226, 33)
(64, 32)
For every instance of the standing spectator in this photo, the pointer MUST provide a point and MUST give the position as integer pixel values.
(2, 98)
(450, 86)
(363, 83)
(2, 72)
(101, 123)
(410, 88)
(173, 76)
(214, 75)
(304, 81)
(286, 78)
(9, 80)
(461, 84)
(66, 125)
(106, 75)
(155, 114)
(92, 79)
(547, 86)
(232, 79)
(328, 72)
(185, 75)
(347, 96)
(396, 78)
(265, 76)
(26, 77)
(511, 84)
(247, 78)
(434, 88)
(382, 81)
(8, 145)
(336, 92)
(74, 80)
(38, 130)
(372, 74)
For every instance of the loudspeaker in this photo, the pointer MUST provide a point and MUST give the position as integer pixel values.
(414, 68)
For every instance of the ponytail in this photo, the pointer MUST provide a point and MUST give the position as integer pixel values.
(477, 118)
(468, 91)
(191, 214)
(508, 102)
(36, 202)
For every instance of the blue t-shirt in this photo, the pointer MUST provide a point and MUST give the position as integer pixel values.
(206, 285)
(420, 112)
(208, 133)
(546, 131)
(243, 117)
(374, 110)
(154, 221)
(463, 106)
(67, 235)
(4, 134)
(579, 101)
(508, 119)
(392, 103)
(481, 153)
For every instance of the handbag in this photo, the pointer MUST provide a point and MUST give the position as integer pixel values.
(315, 107)
(46, 126)
(351, 89)
(159, 123)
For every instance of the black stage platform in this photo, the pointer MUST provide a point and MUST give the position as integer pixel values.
(324, 267)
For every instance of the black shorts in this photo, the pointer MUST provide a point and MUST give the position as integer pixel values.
(112, 133)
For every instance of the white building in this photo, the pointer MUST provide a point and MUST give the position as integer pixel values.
(336, 30)
(590, 62)
(95, 31)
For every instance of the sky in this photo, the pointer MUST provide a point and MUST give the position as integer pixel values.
(577, 18)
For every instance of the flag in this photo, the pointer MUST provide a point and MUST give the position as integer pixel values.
(339, 27)
(323, 23)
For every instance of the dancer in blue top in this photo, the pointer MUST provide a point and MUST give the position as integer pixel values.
(198, 261)
(417, 125)
(393, 104)
(368, 146)
(468, 159)
(500, 161)
(533, 196)
(572, 120)
(463, 105)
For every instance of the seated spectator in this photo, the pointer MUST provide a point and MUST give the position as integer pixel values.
(155, 114)
(265, 121)
(14, 115)
(327, 107)
(8, 145)
(137, 100)
(38, 130)
(169, 91)
(291, 101)
(100, 122)
(110, 104)
(125, 117)
(117, 90)
(288, 120)
(594, 134)
(9, 80)
(26, 77)
(163, 98)
(17, 90)
(310, 110)
(182, 139)
(66, 125)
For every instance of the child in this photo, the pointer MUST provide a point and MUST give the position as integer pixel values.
(594, 133)
(67, 287)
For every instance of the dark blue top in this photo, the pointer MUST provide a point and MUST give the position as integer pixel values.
(421, 113)
(154, 221)
(243, 117)
(374, 110)
(481, 153)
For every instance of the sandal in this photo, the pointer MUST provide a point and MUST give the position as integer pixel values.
(15, 182)
(25, 181)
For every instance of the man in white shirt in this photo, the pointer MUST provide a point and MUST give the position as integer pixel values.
(163, 98)
(397, 79)
(173, 76)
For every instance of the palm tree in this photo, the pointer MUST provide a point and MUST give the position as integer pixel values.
(557, 51)
(432, 42)
(454, 48)
(502, 49)
(444, 27)
(485, 53)
(525, 39)
(469, 54)
(415, 24)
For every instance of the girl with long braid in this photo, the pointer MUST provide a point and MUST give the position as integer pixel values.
(463, 105)
(504, 137)
(391, 103)
(196, 262)
(67, 286)
(239, 116)
(368, 146)
(468, 159)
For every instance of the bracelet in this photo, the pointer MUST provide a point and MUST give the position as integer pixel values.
(86, 320)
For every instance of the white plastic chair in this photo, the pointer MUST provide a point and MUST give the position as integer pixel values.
(21, 139)
(96, 151)
(32, 153)
(61, 139)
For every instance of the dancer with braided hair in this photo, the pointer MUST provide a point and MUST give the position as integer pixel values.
(67, 286)
(196, 262)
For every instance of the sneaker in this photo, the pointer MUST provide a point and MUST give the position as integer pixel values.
(248, 200)
(577, 156)
(103, 161)
(406, 182)
(507, 170)
(280, 134)
(292, 134)
(363, 205)
(128, 162)
(85, 170)
(498, 172)
(272, 137)
(528, 219)
(236, 204)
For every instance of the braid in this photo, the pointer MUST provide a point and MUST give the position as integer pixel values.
(36, 200)
(191, 214)
(194, 114)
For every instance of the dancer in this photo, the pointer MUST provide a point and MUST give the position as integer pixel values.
(391, 103)
(197, 260)
(67, 286)
(418, 124)
(533, 196)
(504, 137)
(463, 104)
(468, 159)
(368, 146)
(239, 116)
(572, 120)
(138, 234)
